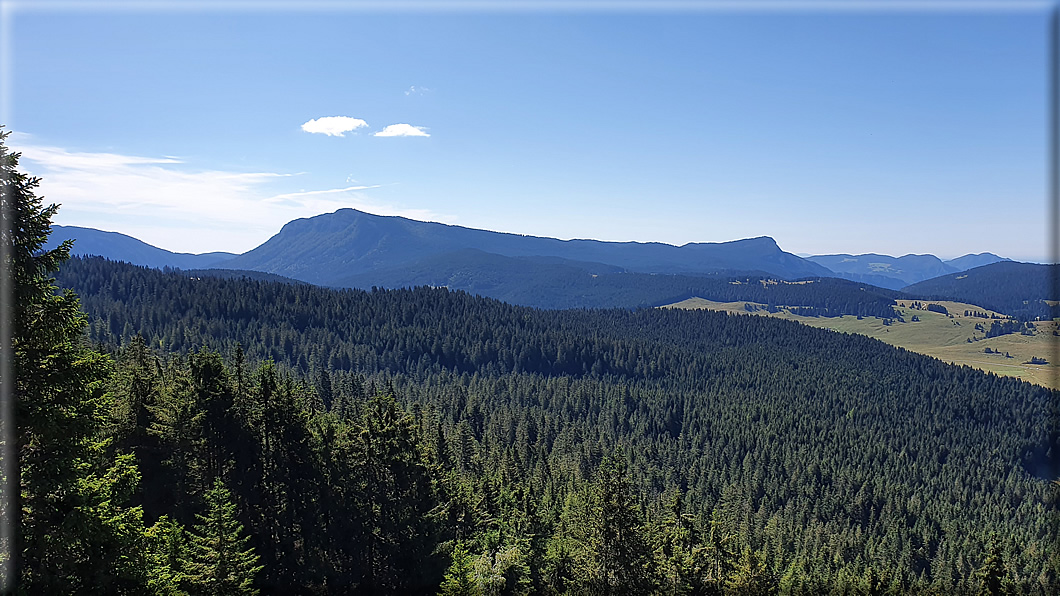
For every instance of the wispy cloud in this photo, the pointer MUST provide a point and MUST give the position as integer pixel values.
(301, 197)
(306, 193)
(333, 126)
(165, 202)
(402, 130)
(83, 160)
(414, 90)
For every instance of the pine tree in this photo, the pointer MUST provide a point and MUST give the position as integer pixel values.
(74, 533)
(398, 496)
(220, 562)
(459, 579)
(992, 575)
(166, 551)
(751, 577)
(619, 558)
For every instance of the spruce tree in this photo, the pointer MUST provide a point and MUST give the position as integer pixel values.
(620, 558)
(751, 577)
(398, 497)
(680, 558)
(459, 578)
(992, 575)
(220, 562)
(66, 496)
(167, 547)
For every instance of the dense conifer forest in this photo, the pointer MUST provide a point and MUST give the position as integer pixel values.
(235, 436)
(555, 283)
(555, 288)
(833, 460)
(1021, 290)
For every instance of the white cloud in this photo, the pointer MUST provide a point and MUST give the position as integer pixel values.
(333, 126)
(164, 202)
(88, 161)
(416, 90)
(402, 130)
(292, 196)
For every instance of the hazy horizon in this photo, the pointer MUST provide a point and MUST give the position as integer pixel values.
(804, 255)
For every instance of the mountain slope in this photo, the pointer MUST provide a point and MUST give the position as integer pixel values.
(895, 273)
(548, 283)
(882, 269)
(970, 261)
(119, 247)
(335, 246)
(1011, 287)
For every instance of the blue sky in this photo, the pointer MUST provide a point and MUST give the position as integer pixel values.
(921, 131)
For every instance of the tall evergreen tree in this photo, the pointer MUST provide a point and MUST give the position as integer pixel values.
(74, 532)
(399, 497)
(751, 576)
(459, 579)
(620, 560)
(167, 550)
(992, 574)
(220, 562)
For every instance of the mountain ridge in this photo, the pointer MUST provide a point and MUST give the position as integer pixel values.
(897, 272)
(1023, 290)
(350, 248)
(122, 247)
(347, 242)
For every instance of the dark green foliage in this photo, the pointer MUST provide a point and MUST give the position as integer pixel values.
(95, 279)
(992, 575)
(937, 308)
(397, 503)
(1016, 289)
(999, 328)
(510, 401)
(76, 532)
(806, 459)
(381, 330)
(751, 576)
(615, 555)
(234, 274)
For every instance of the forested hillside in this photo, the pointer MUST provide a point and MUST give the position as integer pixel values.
(529, 283)
(549, 451)
(544, 283)
(1017, 289)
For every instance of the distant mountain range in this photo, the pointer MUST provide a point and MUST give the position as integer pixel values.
(353, 249)
(119, 247)
(329, 248)
(897, 272)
